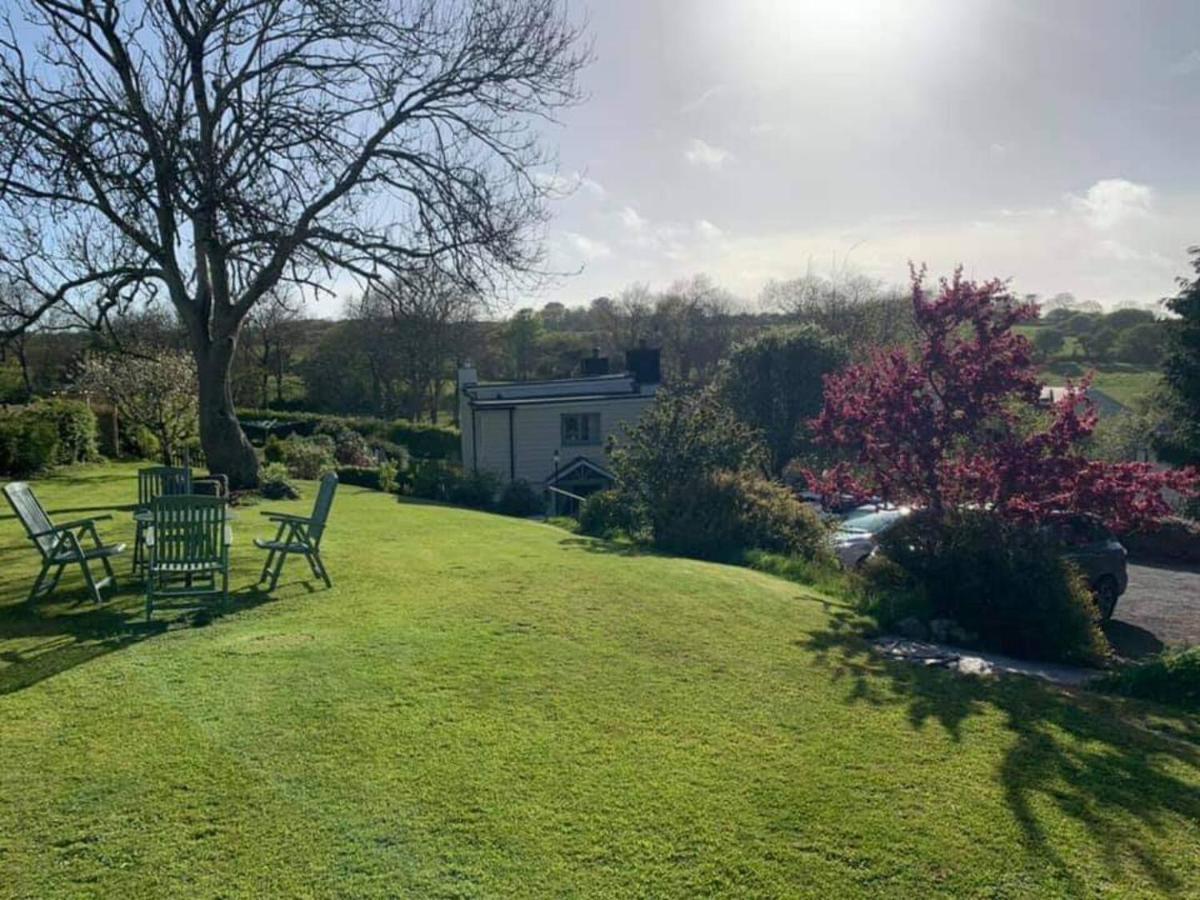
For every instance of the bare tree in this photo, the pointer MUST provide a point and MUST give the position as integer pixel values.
(210, 150)
(269, 334)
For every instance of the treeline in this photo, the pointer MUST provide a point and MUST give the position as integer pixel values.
(394, 352)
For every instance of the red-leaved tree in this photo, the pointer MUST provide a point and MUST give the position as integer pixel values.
(959, 421)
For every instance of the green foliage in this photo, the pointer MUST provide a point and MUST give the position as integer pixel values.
(275, 483)
(76, 426)
(1048, 341)
(822, 573)
(1172, 677)
(389, 477)
(1142, 345)
(350, 448)
(433, 478)
(680, 441)
(308, 458)
(1003, 582)
(774, 383)
(609, 514)
(139, 442)
(274, 450)
(29, 442)
(1182, 370)
(421, 439)
(396, 453)
(522, 499)
(726, 514)
(476, 490)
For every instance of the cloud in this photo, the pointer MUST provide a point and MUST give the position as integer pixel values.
(708, 230)
(560, 186)
(1188, 64)
(588, 248)
(697, 102)
(1112, 202)
(701, 153)
(632, 220)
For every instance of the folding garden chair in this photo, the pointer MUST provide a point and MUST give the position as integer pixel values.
(155, 481)
(299, 535)
(61, 545)
(187, 545)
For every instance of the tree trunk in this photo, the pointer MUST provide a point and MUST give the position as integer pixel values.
(225, 445)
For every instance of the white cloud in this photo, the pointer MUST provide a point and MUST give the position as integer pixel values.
(588, 248)
(1188, 64)
(1112, 202)
(697, 102)
(632, 220)
(701, 153)
(708, 230)
(560, 186)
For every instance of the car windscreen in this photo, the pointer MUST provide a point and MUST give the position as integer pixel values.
(871, 523)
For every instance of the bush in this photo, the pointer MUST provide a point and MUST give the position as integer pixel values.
(359, 476)
(140, 443)
(477, 490)
(389, 477)
(28, 442)
(726, 514)
(275, 484)
(1002, 582)
(350, 449)
(432, 479)
(76, 426)
(609, 514)
(274, 450)
(423, 440)
(520, 498)
(397, 453)
(308, 458)
(1172, 677)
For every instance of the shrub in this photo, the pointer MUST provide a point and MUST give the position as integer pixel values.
(1004, 583)
(608, 514)
(821, 573)
(308, 458)
(1172, 677)
(389, 477)
(140, 442)
(477, 490)
(275, 483)
(397, 453)
(28, 442)
(359, 476)
(727, 514)
(76, 426)
(350, 449)
(274, 450)
(423, 440)
(520, 498)
(432, 479)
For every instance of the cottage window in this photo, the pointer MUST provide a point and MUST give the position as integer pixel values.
(580, 429)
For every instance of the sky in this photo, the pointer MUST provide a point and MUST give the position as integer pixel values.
(1050, 143)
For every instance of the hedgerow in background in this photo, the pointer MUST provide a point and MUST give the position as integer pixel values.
(151, 388)
(773, 382)
(957, 421)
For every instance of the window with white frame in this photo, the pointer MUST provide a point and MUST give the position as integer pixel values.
(580, 429)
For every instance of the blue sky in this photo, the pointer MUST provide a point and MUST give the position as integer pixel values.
(1047, 142)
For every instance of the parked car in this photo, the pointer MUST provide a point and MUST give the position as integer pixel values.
(1088, 543)
(859, 531)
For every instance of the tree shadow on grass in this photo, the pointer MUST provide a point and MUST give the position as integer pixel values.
(54, 635)
(1122, 771)
(610, 548)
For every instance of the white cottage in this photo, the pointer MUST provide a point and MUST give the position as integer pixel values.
(553, 433)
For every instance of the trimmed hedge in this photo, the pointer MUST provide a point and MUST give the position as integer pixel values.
(44, 434)
(423, 440)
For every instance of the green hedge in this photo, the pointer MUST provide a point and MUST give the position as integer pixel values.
(44, 434)
(423, 440)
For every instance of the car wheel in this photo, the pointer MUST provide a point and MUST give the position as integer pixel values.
(1105, 592)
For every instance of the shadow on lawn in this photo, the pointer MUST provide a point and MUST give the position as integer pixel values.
(41, 640)
(1092, 757)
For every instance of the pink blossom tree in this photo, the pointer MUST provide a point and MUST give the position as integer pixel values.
(959, 421)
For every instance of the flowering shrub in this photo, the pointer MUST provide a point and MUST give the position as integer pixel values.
(959, 422)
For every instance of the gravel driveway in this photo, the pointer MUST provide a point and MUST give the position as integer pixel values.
(1160, 608)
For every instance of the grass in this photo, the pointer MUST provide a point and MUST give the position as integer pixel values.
(491, 707)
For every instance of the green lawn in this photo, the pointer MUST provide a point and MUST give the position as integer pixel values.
(490, 707)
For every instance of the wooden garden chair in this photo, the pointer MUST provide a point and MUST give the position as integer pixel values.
(155, 481)
(300, 535)
(61, 545)
(187, 543)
